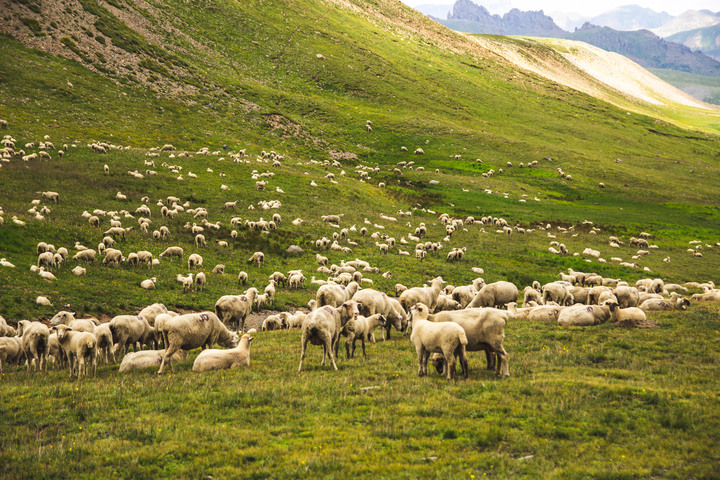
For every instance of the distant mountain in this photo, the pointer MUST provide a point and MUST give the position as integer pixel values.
(472, 18)
(439, 10)
(706, 40)
(631, 17)
(690, 20)
(647, 49)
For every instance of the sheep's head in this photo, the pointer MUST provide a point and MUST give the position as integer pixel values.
(61, 331)
(62, 317)
(419, 311)
(438, 362)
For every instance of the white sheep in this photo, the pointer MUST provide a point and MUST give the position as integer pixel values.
(323, 326)
(235, 308)
(80, 348)
(130, 330)
(194, 330)
(195, 261)
(583, 315)
(43, 301)
(216, 359)
(35, 343)
(11, 350)
(200, 281)
(425, 295)
(495, 294)
(372, 302)
(149, 284)
(78, 270)
(148, 358)
(187, 282)
(258, 257)
(446, 338)
(335, 295)
(364, 327)
(242, 278)
(171, 252)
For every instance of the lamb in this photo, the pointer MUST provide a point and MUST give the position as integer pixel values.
(35, 343)
(272, 322)
(236, 308)
(425, 295)
(583, 315)
(297, 280)
(321, 260)
(148, 358)
(446, 338)
(171, 252)
(676, 302)
(335, 295)
(258, 257)
(495, 294)
(129, 330)
(364, 327)
(323, 326)
(530, 294)
(200, 281)
(195, 330)
(215, 359)
(187, 282)
(195, 261)
(279, 278)
(80, 348)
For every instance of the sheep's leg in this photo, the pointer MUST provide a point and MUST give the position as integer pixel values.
(490, 357)
(303, 344)
(362, 339)
(347, 346)
(388, 331)
(450, 362)
(167, 358)
(464, 361)
(353, 347)
(330, 350)
(81, 367)
(420, 354)
(503, 368)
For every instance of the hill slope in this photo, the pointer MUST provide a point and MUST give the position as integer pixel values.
(706, 40)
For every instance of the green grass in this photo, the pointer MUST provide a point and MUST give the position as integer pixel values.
(580, 403)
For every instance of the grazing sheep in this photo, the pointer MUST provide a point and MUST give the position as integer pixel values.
(129, 330)
(195, 261)
(558, 292)
(321, 260)
(35, 343)
(371, 302)
(426, 295)
(148, 358)
(53, 196)
(105, 344)
(464, 295)
(194, 330)
(187, 282)
(258, 257)
(80, 348)
(112, 255)
(335, 295)
(242, 278)
(495, 294)
(173, 252)
(215, 359)
(323, 326)
(235, 308)
(200, 281)
(297, 281)
(446, 303)
(446, 338)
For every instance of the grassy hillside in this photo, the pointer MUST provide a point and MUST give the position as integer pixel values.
(701, 87)
(234, 76)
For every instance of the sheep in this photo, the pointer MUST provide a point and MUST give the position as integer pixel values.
(258, 257)
(35, 343)
(627, 296)
(297, 281)
(129, 330)
(485, 330)
(194, 330)
(54, 196)
(464, 295)
(446, 338)
(78, 324)
(426, 295)
(445, 303)
(171, 252)
(335, 295)
(236, 308)
(215, 359)
(322, 327)
(372, 302)
(148, 358)
(272, 322)
(627, 316)
(200, 281)
(11, 351)
(80, 348)
(78, 270)
(364, 327)
(495, 294)
(321, 260)
(676, 302)
(105, 344)
(242, 278)
(43, 301)
(583, 315)
(112, 255)
(195, 261)
(331, 218)
(557, 292)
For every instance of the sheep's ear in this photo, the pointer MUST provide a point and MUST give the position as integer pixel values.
(53, 328)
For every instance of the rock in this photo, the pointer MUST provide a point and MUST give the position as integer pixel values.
(294, 249)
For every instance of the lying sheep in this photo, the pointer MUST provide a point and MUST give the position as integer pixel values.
(583, 315)
(148, 358)
(675, 302)
(215, 359)
(627, 316)
(35, 343)
(449, 339)
(235, 308)
(80, 348)
(195, 330)
(149, 284)
(323, 326)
